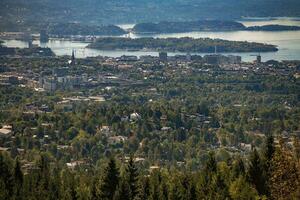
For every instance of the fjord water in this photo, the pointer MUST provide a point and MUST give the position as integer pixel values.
(288, 42)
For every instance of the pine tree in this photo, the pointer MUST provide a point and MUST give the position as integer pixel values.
(18, 180)
(43, 179)
(143, 189)
(211, 164)
(109, 181)
(94, 188)
(218, 188)
(163, 191)
(123, 191)
(241, 190)
(202, 186)
(189, 188)
(269, 149)
(6, 176)
(256, 173)
(54, 185)
(192, 195)
(132, 177)
(83, 192)
(155, 179)
(238, 168)
(268, 153)
(205, 184)
(67, 191)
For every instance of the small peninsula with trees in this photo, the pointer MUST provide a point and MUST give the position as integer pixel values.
(201, 45)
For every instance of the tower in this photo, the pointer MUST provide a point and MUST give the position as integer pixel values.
(30, 45)
(73, 58)
(258, 59)
(44, 36)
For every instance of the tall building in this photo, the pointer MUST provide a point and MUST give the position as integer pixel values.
(28, 38)
(213, 59)
(49, 84)
(188, 57)
(234, 59)
(60, 72)
(30, 45)
(163, 56)
(44, 36)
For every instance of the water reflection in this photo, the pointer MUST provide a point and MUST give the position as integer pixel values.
(288, 42)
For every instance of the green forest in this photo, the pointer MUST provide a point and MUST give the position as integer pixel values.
(272, 173)
(205, 25)
(186, 44)
(177, 27)
(62, 29)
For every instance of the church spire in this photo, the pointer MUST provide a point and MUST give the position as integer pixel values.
(73, 57)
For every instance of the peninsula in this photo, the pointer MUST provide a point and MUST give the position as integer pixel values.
(186, 44)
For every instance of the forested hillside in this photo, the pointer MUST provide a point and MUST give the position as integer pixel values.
(272, 173)
(117, 11)
(180, 44)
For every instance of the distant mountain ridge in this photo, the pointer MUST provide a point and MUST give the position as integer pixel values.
(19, 12)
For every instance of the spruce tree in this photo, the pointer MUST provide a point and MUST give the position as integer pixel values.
(155, 180)
(256, 173)
(43, 178)
(123, 191)
(192, 194)
(143, 189)
(240, 189)
(238, 168)
(205, 183)
(203, 186)
(268, 153)
(67, 191)
(218, 188)
(189, 188)
(109, 181)
(269, 150)
(132, 177)
(6, 176)
(54, 185)
(94, 192)
(211, 164)
(18, 180)
(163, 191)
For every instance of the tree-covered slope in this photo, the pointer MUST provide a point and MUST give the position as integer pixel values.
(177, 27)
(204, 45)
(120, 11)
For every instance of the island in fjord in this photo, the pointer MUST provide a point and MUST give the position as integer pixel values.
(186, 44)
(205, 25)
